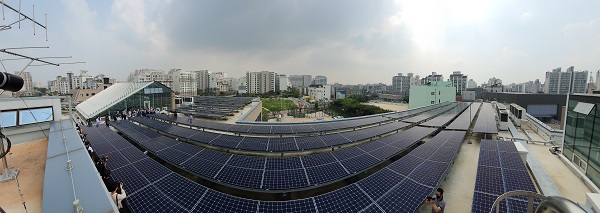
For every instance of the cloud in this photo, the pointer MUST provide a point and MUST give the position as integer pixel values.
(526, 15)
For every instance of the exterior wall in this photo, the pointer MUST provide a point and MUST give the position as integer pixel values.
(459, 81)
(255, 114)
(29, 132)
(320, 92)
(582, 136)
(437, 92)
(27, 82)
(526, 99)
(468, 96)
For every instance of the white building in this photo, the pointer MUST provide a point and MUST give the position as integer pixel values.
(27, 81)
(218, 82)
(184, 82)
(261, 82)
(284, 82)
(433, 93)
(320, 80)
(471, 84)
(401, 84)
(493, 81)
(150, 75)
(459, 81)
(558, 82)
(243, 86)
(433, 77)
(597, 79)
(320, 92)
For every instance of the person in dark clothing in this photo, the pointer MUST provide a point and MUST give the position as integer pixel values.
(106, 120)
(438, 204)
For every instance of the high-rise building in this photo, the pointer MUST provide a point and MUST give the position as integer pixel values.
(558, 82)
(459, 81)
(261, 82)
(27, 81)
(471, 84)
(401, 84)
(202, 80)
(150, 75)
(183, 82)
(494, 81)
(284, 82)
(433, 77)
(300, 81)
(320, 80)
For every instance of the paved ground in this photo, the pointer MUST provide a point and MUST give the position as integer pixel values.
(30, 159)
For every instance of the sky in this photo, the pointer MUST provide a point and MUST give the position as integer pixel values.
(348, 41)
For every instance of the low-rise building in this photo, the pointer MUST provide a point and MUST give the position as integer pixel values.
(432, 93)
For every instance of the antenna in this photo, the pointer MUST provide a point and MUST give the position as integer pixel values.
(18, 11)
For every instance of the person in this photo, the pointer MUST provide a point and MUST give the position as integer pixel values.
(438, 204)
(117, 198)
(106, 120)
(97, 121)
(191, 118)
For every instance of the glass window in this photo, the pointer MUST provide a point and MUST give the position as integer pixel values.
(8, 118)
(29, 116)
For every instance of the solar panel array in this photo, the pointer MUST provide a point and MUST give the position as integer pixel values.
(283, 129)
(271, 144)
(500, 170)
(412, 112)
(431, 113)
(275, 173)
(153, 188)
(444, 118)
(464, 120)
(486, 120)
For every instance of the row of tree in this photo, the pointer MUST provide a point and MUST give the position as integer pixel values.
(352, 106)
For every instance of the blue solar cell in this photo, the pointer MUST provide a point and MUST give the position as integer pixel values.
(249, 178)
(285, 179)
(202, 167)
(406, 164)
(317, 159)
(283, 163)
(306, 143)
(282, 144)
(325, 173)
(256, 144)
(385, 152)
(512, 161)
(507, 146)
(132, 179)
(483, 203)
(215, 156)
(183, 191)
(370, 146)
(517, 180)
(301, 206)
(151, 169)
(379, 183)
(152, 145)
(173, 156)
(167, 141)
(227, 141)
(443, 155)
(250, 162)
(187, 148)
(133, 154)
(277, 129)
(429, 173)
(423, 151)
(347, 199)
(239, 128)
(489, 180)
(406, 196)
(373, 208)
(302, 129)
(334, 139)
(515, 205)
(360, 163)
(322, 127)
(489, 158)
(260, 129)
(346, 153)
(100, 146)
(203, 137)
(115, 160)
(214, 201)
(151, 200)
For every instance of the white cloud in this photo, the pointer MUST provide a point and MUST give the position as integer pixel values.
(526, 15)
(133, 15)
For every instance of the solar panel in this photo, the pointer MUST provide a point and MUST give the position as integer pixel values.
(173, 156)
(489, 158)
(481, 203)
(317, 159)
(115, 160)
(515, 205)
(372, 209)
(151, 199)
(347, 199)
(322, 127)
(187, 148)
(282, 144)
(167, 141)
(346, 153)
(507, 146)
(517, 180)
(283, 163)
(133, 154)
(306, 143)
(488, 145)
(359, 163)
(228, 141)
(463, 121)
(132, 179)
(406, 164)
(151, 169)
(385, 152)
(512, 161)
(202, 167)
(325, 173)
(215, 156)
(486, 120)
(284, 179)
(370, 146)
(152, 145)
(489, 180)
(407, 195)
(443, 155)
(301, 206)
(429, 173)
(380, 182)
(334, 139)
(239, 128)
(254, 144)
(249, 178)
(181, 190)
(250, 162)
(277, 129)
(302, 129)
(203, 137)
(260, 129)
(214, 201)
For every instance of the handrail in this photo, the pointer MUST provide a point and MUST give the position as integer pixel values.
(531, 196)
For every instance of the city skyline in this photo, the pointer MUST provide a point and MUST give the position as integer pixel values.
(357, 43)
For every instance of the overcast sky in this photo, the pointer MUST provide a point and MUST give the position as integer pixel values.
(350, 42)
